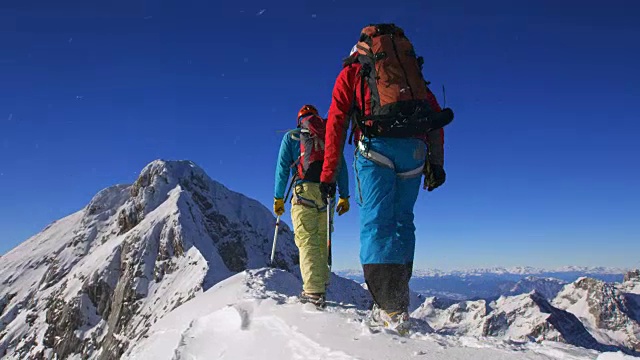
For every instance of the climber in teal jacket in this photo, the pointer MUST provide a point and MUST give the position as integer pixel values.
(308, 212)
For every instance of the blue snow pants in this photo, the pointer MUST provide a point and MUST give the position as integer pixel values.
(388, 175)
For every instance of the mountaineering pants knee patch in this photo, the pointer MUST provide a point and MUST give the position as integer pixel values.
(310, 230)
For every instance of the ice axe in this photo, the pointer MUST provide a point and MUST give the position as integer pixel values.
(275, 236)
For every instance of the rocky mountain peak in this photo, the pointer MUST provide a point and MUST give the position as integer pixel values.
(589, 284)
(612, 314)
(157, 180)
(633, 275)
(546, 287)
(161, 175)
(93, 282)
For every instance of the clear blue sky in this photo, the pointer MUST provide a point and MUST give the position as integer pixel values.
(542, 160)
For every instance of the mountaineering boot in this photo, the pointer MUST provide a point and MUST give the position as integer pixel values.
(398, 321)
(318, 300)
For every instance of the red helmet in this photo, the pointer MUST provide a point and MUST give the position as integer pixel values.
(306, 110)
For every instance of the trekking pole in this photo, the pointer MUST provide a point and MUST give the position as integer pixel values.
(329, 226)
(275, 236)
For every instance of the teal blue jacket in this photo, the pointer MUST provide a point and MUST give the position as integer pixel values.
(289, 154)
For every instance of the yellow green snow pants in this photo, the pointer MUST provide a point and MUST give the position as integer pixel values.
(309, 217)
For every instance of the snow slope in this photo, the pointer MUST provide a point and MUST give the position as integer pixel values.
(254, 315)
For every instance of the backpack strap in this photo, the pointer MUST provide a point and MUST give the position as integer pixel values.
(353, 114)
(354, 107)
(364, 71)
(295, 134)
(349, 61)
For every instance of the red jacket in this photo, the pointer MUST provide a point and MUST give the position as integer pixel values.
(338, 122)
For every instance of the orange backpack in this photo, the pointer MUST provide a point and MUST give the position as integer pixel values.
(399, 93)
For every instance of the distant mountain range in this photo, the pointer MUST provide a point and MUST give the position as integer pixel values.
(491, 283)
(519, 270)
(589, 313)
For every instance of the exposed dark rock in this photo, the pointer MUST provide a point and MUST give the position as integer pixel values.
(31, 318)
(63, 319)
(53, 275)
(217, 225)
(27, 344)
(568, 325)
(495, 324)
(632, 275)
(234, 255)
(99, 292)
(611, 309)
(170, 245)
(176, 240)
(5, 300)
(127, 220)
(203, 202)
(123, 304)
(146, 178)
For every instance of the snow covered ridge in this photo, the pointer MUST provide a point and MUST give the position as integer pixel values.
(254, 315)
(93, 282)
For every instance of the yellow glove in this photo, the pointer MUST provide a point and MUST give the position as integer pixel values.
(278, 206)
(343, 206)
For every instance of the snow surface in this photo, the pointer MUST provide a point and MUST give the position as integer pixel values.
(615, 356)
(255, 315)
